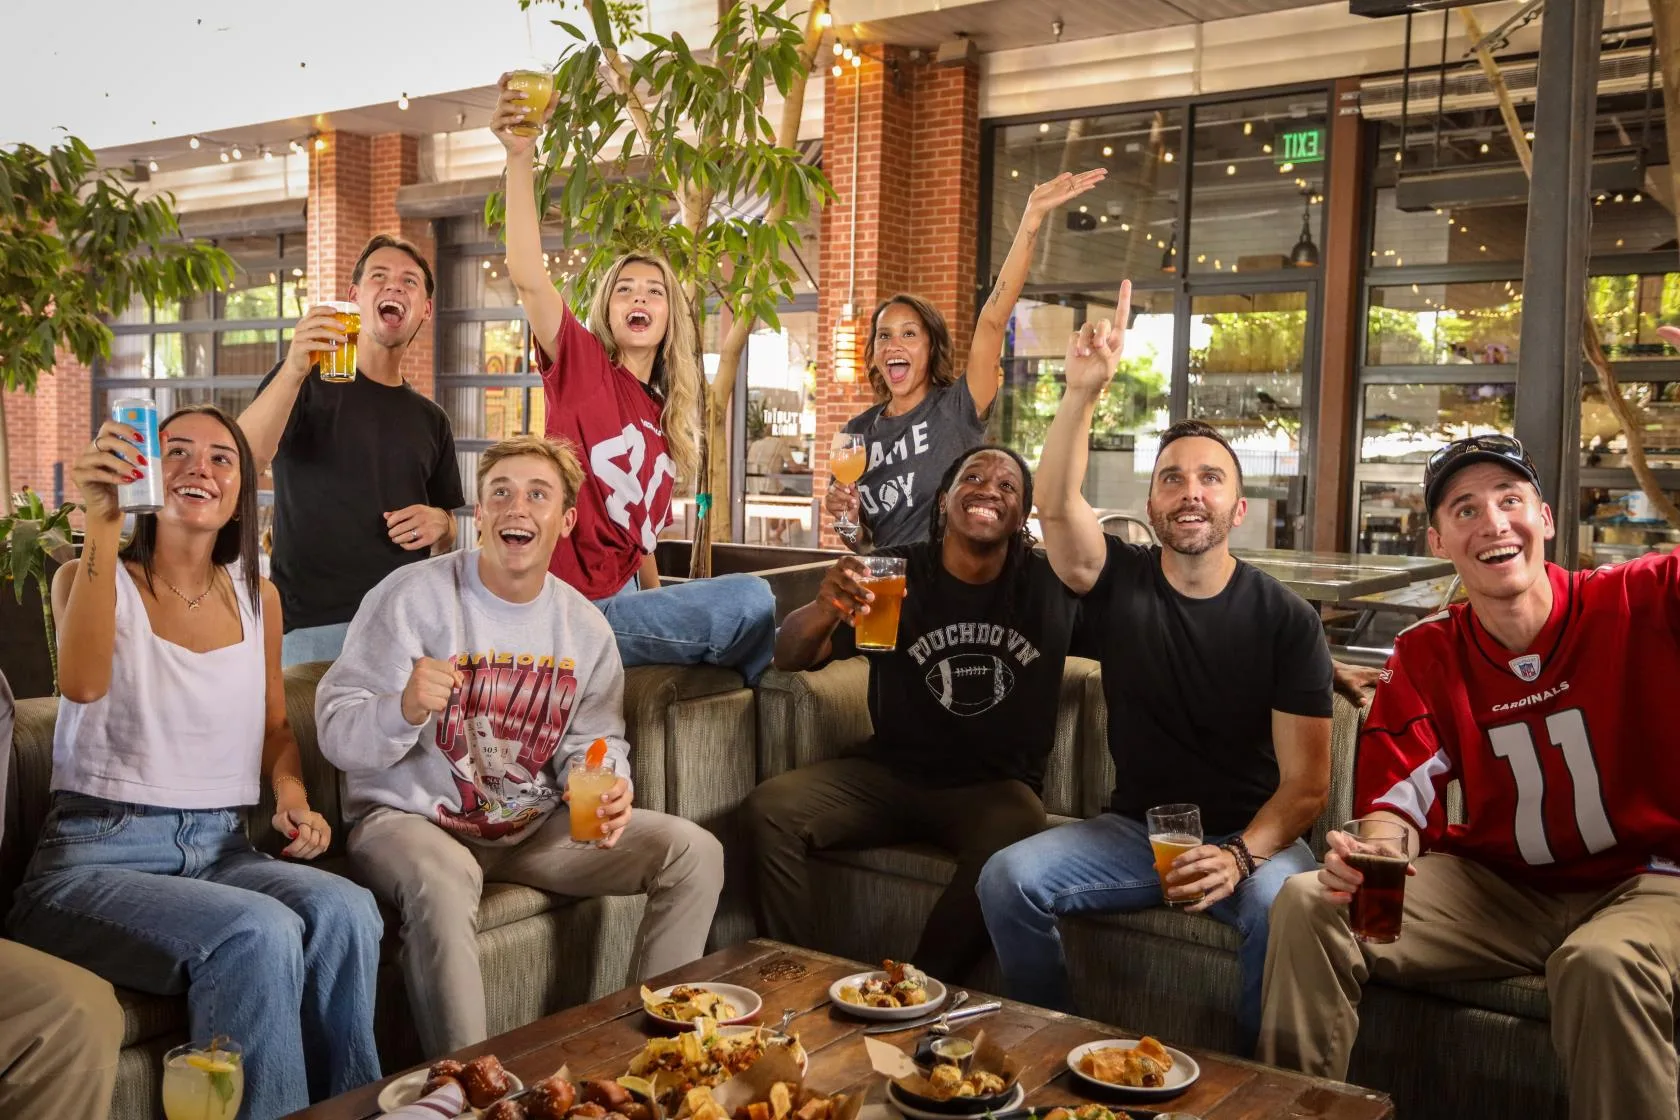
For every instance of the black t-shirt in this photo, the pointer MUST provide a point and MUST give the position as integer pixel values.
(970, 694)
(1191, 684)
(351, 453)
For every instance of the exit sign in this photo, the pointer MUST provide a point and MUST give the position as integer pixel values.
(1299, 145)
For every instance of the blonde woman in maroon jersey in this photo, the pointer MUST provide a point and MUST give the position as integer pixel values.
(624, 389)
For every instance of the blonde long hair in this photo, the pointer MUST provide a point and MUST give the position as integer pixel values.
(676, 369)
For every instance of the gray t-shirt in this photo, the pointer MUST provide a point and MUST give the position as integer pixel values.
(908, 455)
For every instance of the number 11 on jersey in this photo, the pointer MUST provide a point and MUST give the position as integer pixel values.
(1514, 742)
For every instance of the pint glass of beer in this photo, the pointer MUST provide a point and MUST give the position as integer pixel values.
(538, 88)
(1173, 830)
(1380, 856)
(339, 363)
(885, 577)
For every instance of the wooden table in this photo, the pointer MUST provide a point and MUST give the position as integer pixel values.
(598, 1040)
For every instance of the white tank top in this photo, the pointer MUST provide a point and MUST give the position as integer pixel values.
(176, 729)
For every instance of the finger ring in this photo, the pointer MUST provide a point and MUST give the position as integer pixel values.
(414, 535)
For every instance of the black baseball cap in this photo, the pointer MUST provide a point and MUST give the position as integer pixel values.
(1461, 453)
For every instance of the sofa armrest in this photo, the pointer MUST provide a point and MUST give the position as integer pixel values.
(810, 716)
(668, 709)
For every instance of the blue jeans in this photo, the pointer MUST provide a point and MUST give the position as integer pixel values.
(277, 956)
(1105, 865)
(313, 643)
(723, 620)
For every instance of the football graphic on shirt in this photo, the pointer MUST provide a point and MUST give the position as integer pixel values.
(970, 683)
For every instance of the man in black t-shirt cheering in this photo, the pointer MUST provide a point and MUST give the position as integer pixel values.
(365, 477)
(1218, 686)
(964, 710)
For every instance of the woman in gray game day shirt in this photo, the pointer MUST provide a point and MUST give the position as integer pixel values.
(925, 415)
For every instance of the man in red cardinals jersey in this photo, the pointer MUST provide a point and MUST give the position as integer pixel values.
(1535, 697)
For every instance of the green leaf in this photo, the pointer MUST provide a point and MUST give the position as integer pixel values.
(223, 1084)
(567, 28)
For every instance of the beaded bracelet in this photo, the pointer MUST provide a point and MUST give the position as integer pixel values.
(275, 785)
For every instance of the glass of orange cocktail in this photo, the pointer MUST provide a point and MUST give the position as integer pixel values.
(846, 461)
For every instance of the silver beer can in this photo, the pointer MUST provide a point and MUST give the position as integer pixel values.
(144, 494)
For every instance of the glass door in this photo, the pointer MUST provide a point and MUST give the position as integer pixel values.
(1248, 356)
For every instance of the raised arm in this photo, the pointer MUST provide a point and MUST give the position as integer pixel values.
(987, 347)
(804, 637)
(545, 308)
(264, 419)
(84, 592)
(1073, 538)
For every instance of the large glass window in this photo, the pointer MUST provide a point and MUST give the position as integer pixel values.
(781, 423)
(1257, 183)
(1444, 294)
(1201, 196)
(1126, 226)
(214, 348)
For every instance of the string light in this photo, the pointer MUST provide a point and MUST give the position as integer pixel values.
(151, 165)
(1230, 169)
(837, 70)
(1014, 173)
(267, 155)
(224, 155)
(1107, 150)
(192, 142)
(297, 149)
(1267, 148)
(1248, 128)
(857, 61)
(1168, 157)
(824, 20)
(839, 46)
(1284, 169)
(1484, 147)
(1045, 127)
(402, 102)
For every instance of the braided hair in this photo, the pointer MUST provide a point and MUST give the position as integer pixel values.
(1012, 580)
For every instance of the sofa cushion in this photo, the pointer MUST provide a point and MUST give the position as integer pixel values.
(502, 904)
(146, 1016)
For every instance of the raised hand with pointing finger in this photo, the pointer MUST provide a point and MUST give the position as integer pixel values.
(1094, 350)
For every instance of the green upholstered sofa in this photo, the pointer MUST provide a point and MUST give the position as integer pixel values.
(691, 732)
(1454, 1049)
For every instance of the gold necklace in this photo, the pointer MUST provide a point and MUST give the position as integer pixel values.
(192, 603)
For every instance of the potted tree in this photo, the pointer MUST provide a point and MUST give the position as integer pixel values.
(659, 144)
(78, 245)
(33, 543)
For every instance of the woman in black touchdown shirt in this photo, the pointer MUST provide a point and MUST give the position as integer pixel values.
(964, 710)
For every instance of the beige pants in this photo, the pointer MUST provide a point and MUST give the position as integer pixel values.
(435, 881)
(1611, 962)
(60, 1031)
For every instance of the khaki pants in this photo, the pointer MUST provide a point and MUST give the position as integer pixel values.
(60, 1031)
(435, 881)
(1611, 962)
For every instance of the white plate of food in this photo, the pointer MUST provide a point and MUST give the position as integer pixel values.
(899, 991)
(1136, 1068)
(680, 1005)
(411, 1086)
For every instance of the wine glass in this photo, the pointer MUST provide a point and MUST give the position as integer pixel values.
(847, 459)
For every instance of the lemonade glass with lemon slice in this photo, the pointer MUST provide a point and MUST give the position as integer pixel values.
(203, 1081)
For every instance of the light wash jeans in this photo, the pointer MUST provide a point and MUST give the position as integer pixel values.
(277, 956)
(722, 620)
(1102, 866)
(313, 643)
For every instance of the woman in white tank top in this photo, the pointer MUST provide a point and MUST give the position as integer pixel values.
(173, 714)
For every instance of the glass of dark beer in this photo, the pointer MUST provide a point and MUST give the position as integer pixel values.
(1379, 854)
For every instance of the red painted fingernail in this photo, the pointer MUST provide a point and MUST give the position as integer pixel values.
(142, 459)
(292, 834)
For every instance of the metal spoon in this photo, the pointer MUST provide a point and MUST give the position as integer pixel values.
(788, 1016)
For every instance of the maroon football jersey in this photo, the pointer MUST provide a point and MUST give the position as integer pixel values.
(612, 422)
(1567, 754)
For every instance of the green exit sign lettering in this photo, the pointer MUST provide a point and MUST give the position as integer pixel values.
(1300, 145)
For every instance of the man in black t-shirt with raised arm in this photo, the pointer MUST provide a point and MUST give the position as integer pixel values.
(1217, 681)
(365, 477)
(964, 710)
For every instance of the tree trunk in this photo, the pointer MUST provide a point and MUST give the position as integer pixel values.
(5, 462)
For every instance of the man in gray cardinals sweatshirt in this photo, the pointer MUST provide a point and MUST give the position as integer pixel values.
(468, 684)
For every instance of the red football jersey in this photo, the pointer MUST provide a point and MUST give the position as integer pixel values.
(1567, 755)
(612, 421)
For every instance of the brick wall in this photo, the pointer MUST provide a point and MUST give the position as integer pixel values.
(917, 182)
(353, 184)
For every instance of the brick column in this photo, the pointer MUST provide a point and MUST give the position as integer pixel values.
(353, 185)
(49, 427)
(916, 178)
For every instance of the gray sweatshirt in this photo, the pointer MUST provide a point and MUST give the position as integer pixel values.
(541, 682)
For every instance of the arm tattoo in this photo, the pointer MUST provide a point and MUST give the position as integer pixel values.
(91, 561)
